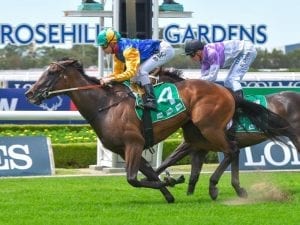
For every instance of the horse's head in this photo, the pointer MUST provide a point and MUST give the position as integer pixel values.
(55, 77)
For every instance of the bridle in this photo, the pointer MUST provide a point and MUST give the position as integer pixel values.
(46, 93)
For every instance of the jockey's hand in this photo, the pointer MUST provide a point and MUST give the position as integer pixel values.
(105, 80)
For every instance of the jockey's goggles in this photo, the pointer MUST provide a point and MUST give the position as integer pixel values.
(105, 46)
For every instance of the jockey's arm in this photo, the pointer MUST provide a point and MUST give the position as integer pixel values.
(211, 73)
(119, 66)
(132, 62)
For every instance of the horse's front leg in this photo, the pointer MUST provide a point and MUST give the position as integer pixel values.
(148, 171)
(179, 153)
(133, 155)
(197, 160)
(235, 178)
(215, 177)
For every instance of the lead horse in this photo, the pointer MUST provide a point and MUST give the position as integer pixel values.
(286, 104)
(110, 110)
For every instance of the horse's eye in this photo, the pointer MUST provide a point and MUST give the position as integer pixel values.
(51, 73)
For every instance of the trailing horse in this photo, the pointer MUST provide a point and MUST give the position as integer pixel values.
(286, 104)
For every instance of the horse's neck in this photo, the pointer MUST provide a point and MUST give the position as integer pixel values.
(89, 102)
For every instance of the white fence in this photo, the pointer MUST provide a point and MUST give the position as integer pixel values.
(40, 115)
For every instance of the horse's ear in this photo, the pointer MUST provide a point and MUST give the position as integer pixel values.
(68, 61)
(54, 67)
(71, 61)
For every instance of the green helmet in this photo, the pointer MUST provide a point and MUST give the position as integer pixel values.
(106, 36)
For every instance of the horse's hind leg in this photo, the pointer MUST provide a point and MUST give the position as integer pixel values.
(181, 151)
(218, 138)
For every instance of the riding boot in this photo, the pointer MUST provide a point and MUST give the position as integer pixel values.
(150, 100)
(239, 93)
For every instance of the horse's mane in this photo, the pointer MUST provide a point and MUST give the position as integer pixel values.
(78, 66)
(170, 74)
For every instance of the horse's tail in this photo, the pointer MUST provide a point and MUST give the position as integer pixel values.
(271, 124)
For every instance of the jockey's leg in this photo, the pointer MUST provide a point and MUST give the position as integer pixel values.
(150, 100)
(239, 68)
(165, 54)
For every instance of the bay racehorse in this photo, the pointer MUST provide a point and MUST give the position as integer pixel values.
(286, 104)
(110, 110)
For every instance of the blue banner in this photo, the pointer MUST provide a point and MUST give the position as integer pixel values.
(268, 155)
(19, 84)
(12, 99)
(25, 156)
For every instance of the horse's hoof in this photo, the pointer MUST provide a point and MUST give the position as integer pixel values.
(190, 190)
(242, 193)
(213, 192)
(170, 181)
(170, 199)
(180, 179)
(189, 193)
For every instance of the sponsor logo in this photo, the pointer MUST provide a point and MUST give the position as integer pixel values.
(15, 157)
(269, 155)
(21, 156)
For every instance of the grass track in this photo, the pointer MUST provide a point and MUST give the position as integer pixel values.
(111, 201)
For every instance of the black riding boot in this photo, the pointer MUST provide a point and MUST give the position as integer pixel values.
(239, 94)
(150, 100)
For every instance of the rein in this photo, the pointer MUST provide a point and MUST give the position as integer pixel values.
(114, 103)
(84, 88)
(74, 89)
(90, 87)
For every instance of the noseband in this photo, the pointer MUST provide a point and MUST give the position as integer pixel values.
(50, 84)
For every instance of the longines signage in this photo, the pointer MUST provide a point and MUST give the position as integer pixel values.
(25, 156)
(269, 155)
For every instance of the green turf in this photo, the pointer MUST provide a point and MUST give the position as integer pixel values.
(273, 199)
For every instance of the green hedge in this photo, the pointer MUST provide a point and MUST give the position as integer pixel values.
(74, 155)
(74, 146)
(83, 155)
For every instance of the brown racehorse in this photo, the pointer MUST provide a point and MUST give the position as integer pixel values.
(110, 111)
(286, 104)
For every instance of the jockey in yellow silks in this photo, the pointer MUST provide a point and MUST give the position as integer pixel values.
(134, 59)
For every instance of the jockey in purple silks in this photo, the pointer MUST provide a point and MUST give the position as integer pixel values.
(238, 55)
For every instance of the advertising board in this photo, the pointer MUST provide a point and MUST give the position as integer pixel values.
(269, 155)
(26, 156)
